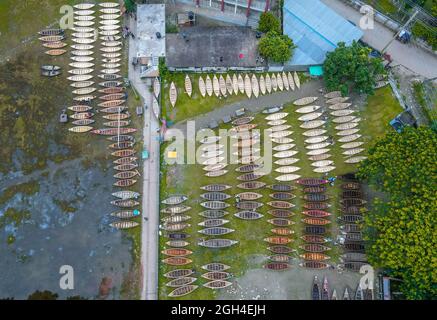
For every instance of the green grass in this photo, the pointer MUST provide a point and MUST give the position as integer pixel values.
(385, 6)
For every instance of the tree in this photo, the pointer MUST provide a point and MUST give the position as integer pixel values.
(130, 5)
(43, 295)
(401, 231)
(268, 22)
(351, 68)
(276, 47)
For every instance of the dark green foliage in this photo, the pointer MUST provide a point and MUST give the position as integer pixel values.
(268, 22)
(351, 69)
(426, 33)
(130, 5)
(276, 47)
(162, 67)
(43, 295)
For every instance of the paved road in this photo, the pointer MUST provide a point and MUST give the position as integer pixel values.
(150, 199)
(414, 58)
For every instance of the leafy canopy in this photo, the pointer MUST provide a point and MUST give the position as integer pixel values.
(401, 231)
(268, 22)
(351, 69)
(276, 47)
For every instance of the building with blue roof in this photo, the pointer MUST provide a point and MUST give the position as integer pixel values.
(315, 29)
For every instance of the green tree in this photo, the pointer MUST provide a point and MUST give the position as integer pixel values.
(130, 5)
(351, 68)
(43, 295)
(276, 47)
(402, 230)
(268, 22)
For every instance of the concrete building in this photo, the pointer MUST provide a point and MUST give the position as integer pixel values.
(315, 30)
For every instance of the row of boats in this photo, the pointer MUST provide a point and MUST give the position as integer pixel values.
(228, 85)
(322, 291)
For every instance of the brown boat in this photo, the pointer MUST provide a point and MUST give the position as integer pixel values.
(217, 284)
(125, 183)
(177, 261)
(179, 273)
(281, 213)
(248, 215)
(249, 168)
(314, 247)
(216, 187)
(315, 197)
(316, 221)
(216, 275)
(282, 231)
(280, 258)
(351, 194)
(111, 90)
(351, 218)
(126, 174)
(121, 145)
(278, 240)
(126, 214)
(125, 203)
(175, 226)
(355, 202)
(176, 209)
(314, 230)
(113, 131)
(113, 109)
(248, 196)
(124, 224)
(281, 187)
(282, 195)
(350, 228)
(113, 96)
(80, 108)
(280, 222)
(351, 186)
(83, 122)
(280, 204)
(280, 249)
(177, 236)
(117, 123)
(277, 266)
(314, 256)
(177, 218)
(112, 103)
(215, 266)
(182, 291)
(251, 185)
(250, 176)
(313, 238)
(354, 246)
(241, 121)
(125, 160)
(310, 182)
(81, 115)
(121, 138)
(179, 282)
(176, 252)
(243, 127)
(123, 153)
(315, 189)
(314, 265)
(248, 205)
(316, 205)
(316, 213)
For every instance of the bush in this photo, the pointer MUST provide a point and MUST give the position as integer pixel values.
(425, 33)
(276, 47)
(268, 22)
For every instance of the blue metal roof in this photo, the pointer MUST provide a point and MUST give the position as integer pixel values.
(315, 30)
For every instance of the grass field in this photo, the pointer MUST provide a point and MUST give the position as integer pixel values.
(251, 250)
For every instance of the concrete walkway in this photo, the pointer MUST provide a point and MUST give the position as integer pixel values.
(150, 199)
(413, 58)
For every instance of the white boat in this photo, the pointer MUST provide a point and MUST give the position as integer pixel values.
(343, 119)
(208, 86)
(296, 80)
(109, 4)
(350, 138)
(276, 122)
(83, 23)
(274, 82)
(322, 163)
(285, 154)
(156, 87)
(222, 86)
(320, 157)
(276, 116)
(188, 85)
(82, 34)
(212, 154)
(279, 81)
(337, 100)
(317, 146)
(316, 139)
(312, 124)
(229, 85)
(216, 86)
(286, 161)
(287, 169)
(173, 94)
(285, 81)
(310, 116)
(109, 22)
(81, 65)
(346, 126)
(347, 132)
(83, 40)
(84, 6)
(355, 159)
(268, 83)
(211, 161)
(283, 140)
(308, 109)
(317, 152)
(351, 145)
(324, 169)
(110, 16)
(109, 28)
(156, 108)
(280, 134)
(340, 106)
(284, 147)
(290, 81)
(82, 29)
(79, 78)
(287, 177)
(84, 12)
(262, 85)
(281, 127)
(202, 87)
(80, 71)
(235, 83)
(351, 152)
(314, 132)
(84, 47)
(84, 18)
(342, 113)
(247, 86)
(82, 59)
(240, 81)
(332, 94)
(212, 147)
(304, 101)
(211, 139)
(110, 10)
(255, 86)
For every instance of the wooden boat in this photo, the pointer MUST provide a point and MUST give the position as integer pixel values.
(314, 189)
(347, 132)
(242, 120)
(229, 87)
(116, 116)
(255, 86)
(354, 256)
(123, 145)
(314, 265)
(325, 289)
(355, 159)
(56, 52)
(287, 177)
(52, 38)
(123, 153)
(282, 231)
(314, 132)
(314, 247)
(124, 224)
(80, 108)
(281, 213)
(182, 291)
(217, 243)
(316, 140)
(250, 176)
(278, 240)
(210, 223)
(353, 151)
(125, 183)
(315, 197)
(276, 122)
(215, 267)
(351, 194)
(112, 90)
(117, 123)
(248, 215)
(317, 152)
(202, 87)
(113, 96)
(235, 83)
(296, 80)
(216, 205)
(180, 282)
(173, 227)
(315, 291)
(176, 252)
(81, 115)
(262, 85)
(248, 196)
(316, 205)
(277, 266)
(125, 160)
(248, 168)
(354, 247)
(280, 222)
(279, 82)
(311, 238)
(349, 227)
(310, 116)
(80, 129)
(316, 221)
(380, 84)
(216, 86)
(216, 231)
(282, 195)
(304, 101)
(310, 182)
(177, 243)
(276, 116)
(116, 109)
(217, 284)
(54, 45)
(351, 186)
(216, 275)
(215, 196)
(286, 161)
(51, 32)
(176, 209)
(353, 236)
(351, 218)
(177, 236)
(356, 202)
(215, 187)
(312, 124)
(354, 266)
(319, 157)
(280, 249)
(316, 213)
(174, 200)
(222, 86)
(248, 205)
(316, 230)
(268, 82)
(250, 185)
(285, 154)
(176, 218)
(274, 82)
(242, 128)
(285, 81)
(213, 214)
(247, 86)
(314, 256)
(308, 109)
